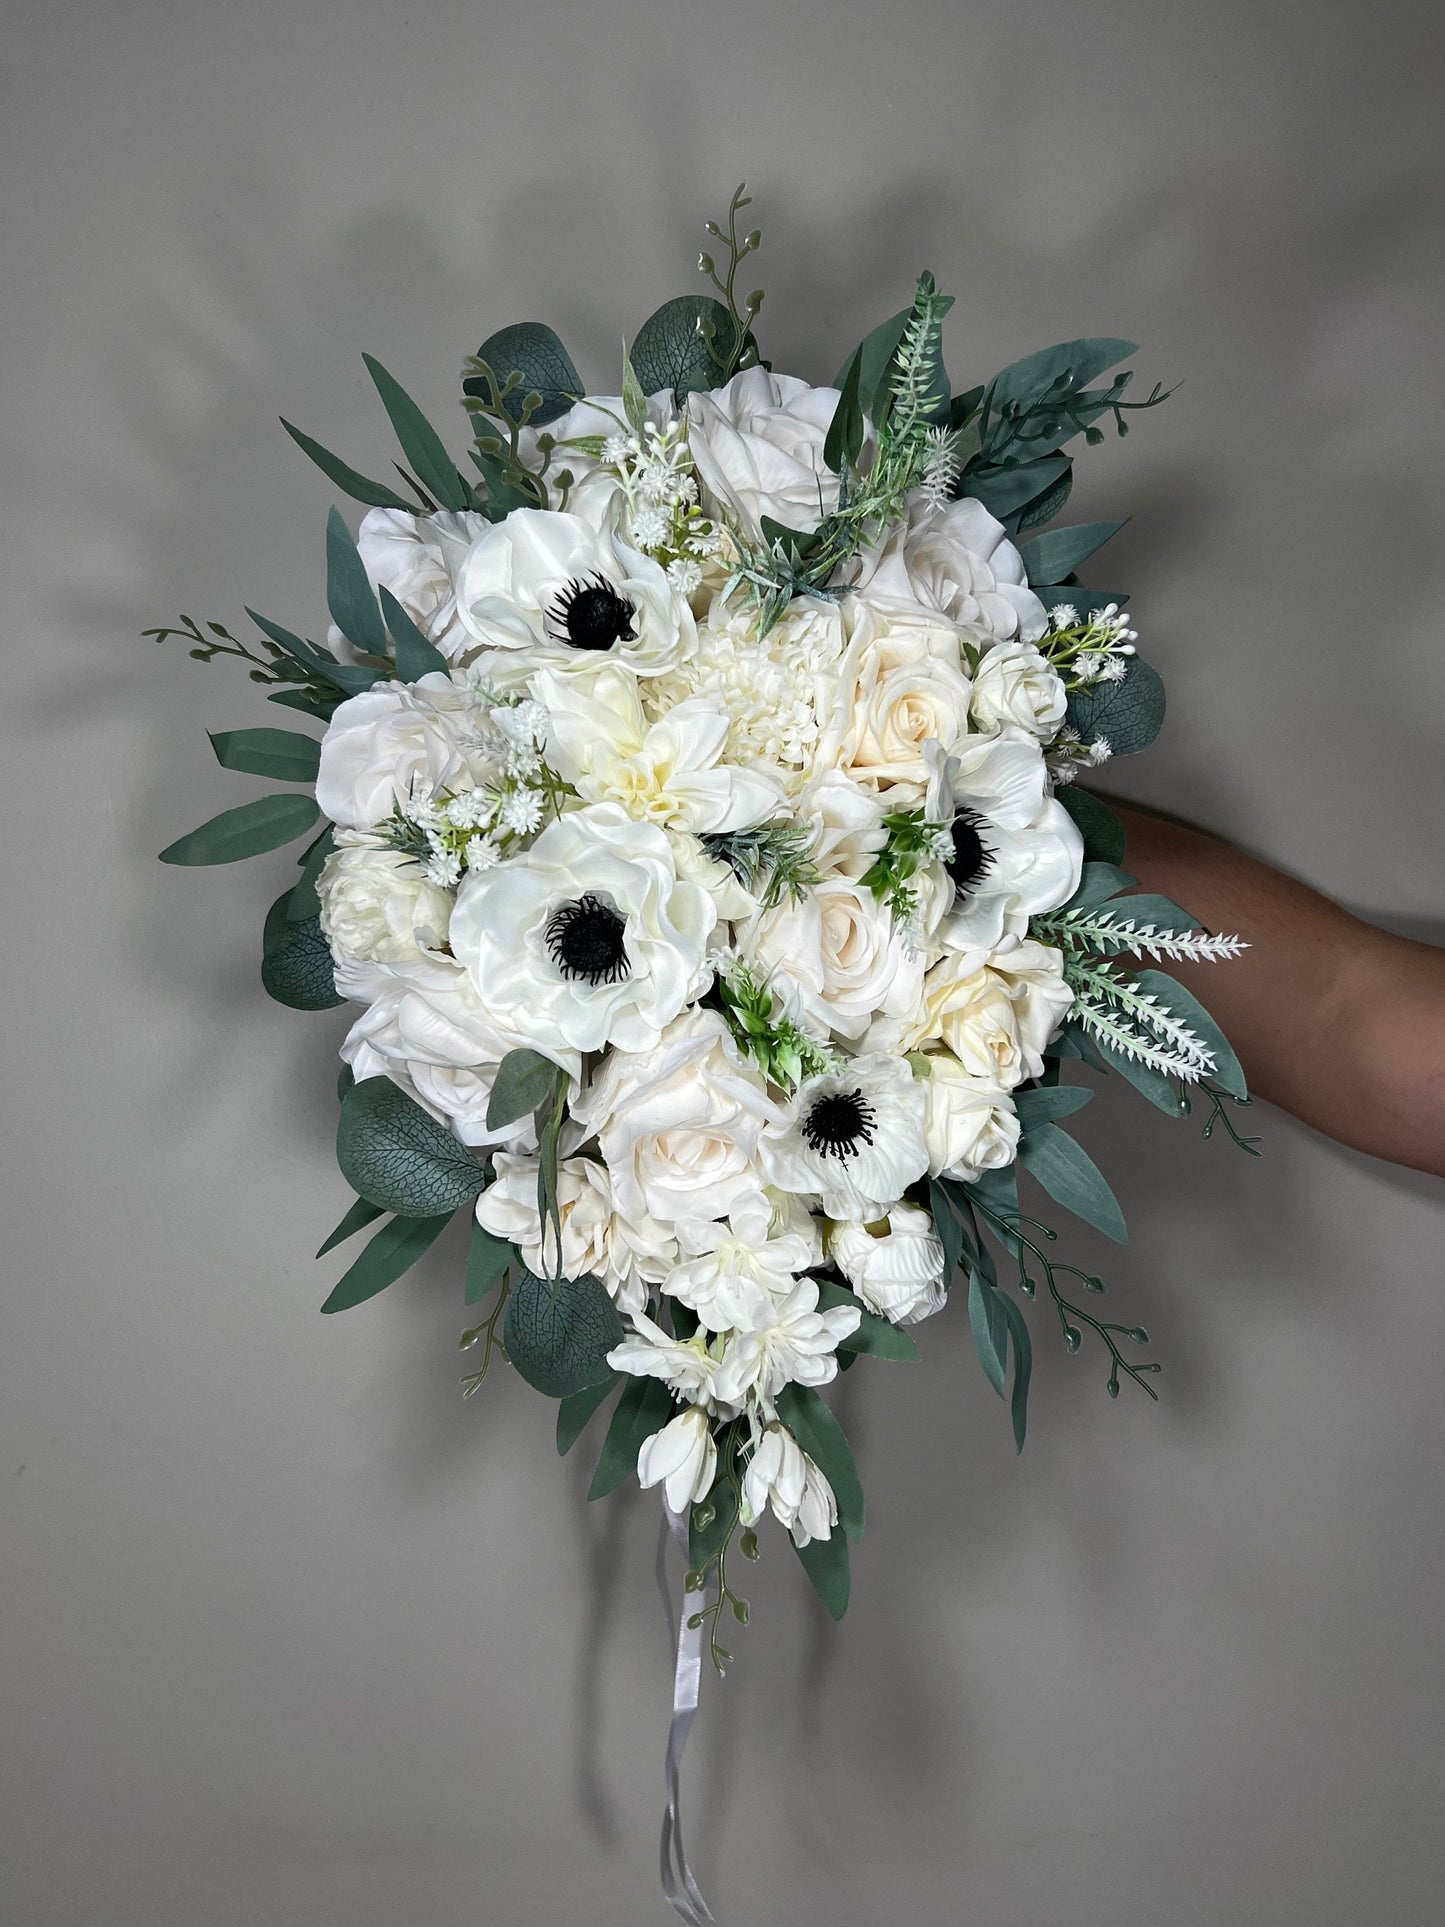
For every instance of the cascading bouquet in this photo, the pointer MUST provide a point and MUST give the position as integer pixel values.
(704, 853)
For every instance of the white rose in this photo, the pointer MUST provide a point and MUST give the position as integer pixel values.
(378, 906)
(429, 1032)
(566, 591)
(398, 737)
(595, 1237)
(1015, 684)
(757, 445)
(995, 1016)
(959, 561)
(588, 939)
(900, 685)
(416, 557)
(679, 1124)
(969, 1124)
(835, 958)
(894, 1264)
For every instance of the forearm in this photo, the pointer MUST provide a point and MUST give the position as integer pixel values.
(1336, 1021)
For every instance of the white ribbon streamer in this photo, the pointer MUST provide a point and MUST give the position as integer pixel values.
(678, 1885)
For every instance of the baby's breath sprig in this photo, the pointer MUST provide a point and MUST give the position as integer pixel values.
(781, 1049)
(1088, 649)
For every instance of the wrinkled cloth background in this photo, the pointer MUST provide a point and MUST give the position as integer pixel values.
(292, 1634)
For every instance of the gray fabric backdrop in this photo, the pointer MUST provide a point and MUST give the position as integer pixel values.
(294, 1636)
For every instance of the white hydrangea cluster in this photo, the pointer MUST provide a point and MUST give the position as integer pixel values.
(762, 891)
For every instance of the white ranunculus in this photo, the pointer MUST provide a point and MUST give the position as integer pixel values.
(995, 1015)
(894, 1264)
(681, 1458)
(1015, 684)
(757, 445)
(679, 1124)
(595, 1237)
(398, 738)
(429, 1032)
(1016, 850)
(378, 906)
(853, 1138)
(669, 772)
(781, 1475)
(795, 1344)
(900, 685)
(564, 590)
(969, 1123)
(733, 1273)
(416, 557)
(586, 940)
(835, 958)
(959, 561)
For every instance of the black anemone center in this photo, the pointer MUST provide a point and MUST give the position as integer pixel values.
(972, 859)
(591, 615)
(585, 940)
(837, 1124)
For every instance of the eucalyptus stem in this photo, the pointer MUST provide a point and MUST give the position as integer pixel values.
(487, 1330)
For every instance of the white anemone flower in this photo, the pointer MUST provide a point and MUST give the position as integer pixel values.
(1016, 851)
(780, 1475)
(681, 1458)
(588, 939)
(894, 1264)
(565, 590)
(854, 1137)
(798, 1345)
(669, 772)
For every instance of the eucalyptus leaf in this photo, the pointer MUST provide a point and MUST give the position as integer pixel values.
(1065, 369)
(1099, 883)
(576, 1409)
(874, 355)
(1129, 714)
(1044, 1106)
(420, 443)
(349, 595)
(394, 1250)
(487, 1261)
(248, 830)
(296, 962)
(285, 755)
(1005, 491)
(990, 1329)
(1023, 1367)
(948, 1226)
(323, 708)
(415, 656)
(671, 351)
(1049, 558)
(302, 902)
(375, 494)
(524, 1082)
(532, 350)
(813, 1425)
(844, 442)
(1044, 506)
(1072, 1179)
(1103, 833)
(362, 1213)
(644, 1408)
(874, 1335)
(826, 1563)
(392, 1151)
(558, 1332)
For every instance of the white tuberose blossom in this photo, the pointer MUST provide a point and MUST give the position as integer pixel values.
(780, 1475)
(681, 1458)
(587, 939)
(795, 1344)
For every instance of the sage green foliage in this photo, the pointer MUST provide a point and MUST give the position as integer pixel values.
(559, 1331)
(1071, 1178)
(349, 594)
(375, 494)
(1129, 713)
(826, 1563)
(393, 1251)
(874, 1335)
(285, 755)
(248, 830)
(545, 373)
(415, 656)
(575, 1411)
(769, 858)
(362, 1213)
(1184, 1005)
(1052, 558)
(1103, 833)
(396, 1154)
(524, 1083)
(420, 443)
(644, 1408)
(488, 1258)
(813, 1425)
(296, 962)
(674, 348)
(1046, 1106)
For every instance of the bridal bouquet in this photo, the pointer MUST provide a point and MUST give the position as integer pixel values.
(702, 857)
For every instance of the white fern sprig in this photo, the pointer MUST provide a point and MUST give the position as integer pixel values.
(1135, 1021)
(1107, 935)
